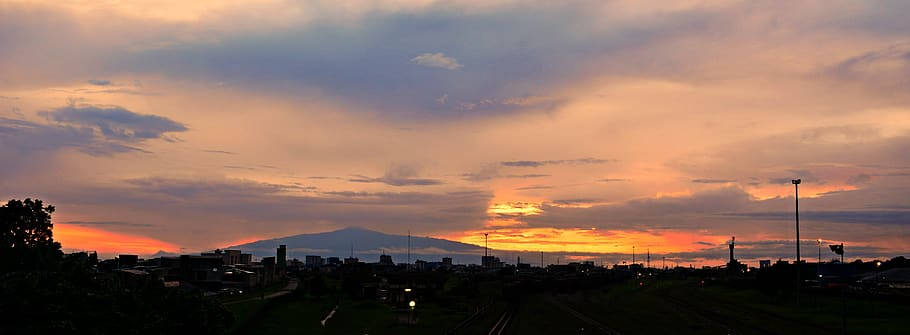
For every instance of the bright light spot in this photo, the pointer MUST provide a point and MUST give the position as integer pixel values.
(412, 303)
(514, 209)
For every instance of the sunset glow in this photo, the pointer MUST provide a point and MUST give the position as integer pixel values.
(582, 126)
(109, 244)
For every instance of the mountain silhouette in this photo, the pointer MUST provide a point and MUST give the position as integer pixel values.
(367, 245)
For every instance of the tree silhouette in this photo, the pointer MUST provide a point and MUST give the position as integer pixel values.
(43, 292)
(26, 236)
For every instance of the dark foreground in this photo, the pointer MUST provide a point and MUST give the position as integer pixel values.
(677, 306)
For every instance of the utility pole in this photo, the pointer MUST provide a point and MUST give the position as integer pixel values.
(796, 189)
(409, 250)
(485, 243)
(541, 259)
(818, 266)
(649, 258)
(633, 254)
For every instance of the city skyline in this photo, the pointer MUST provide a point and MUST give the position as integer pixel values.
(583, 127)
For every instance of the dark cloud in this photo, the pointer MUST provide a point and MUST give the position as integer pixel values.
(731, 209)
(555, 162)
(713, 181)
(888, 65)
(805, 176)
(534, 187)
(570, 202)
(368, 65)
(115, 122)
(238, 167)
(610, 180)
(223, 152)
(99, 82)
(108, 223)
(490, 172)
(231, 207)
(860, 179)
(22, 137)
(859, 216)
(398, 175)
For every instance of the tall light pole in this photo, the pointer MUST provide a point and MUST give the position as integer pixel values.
(796, 188)
(818, 266)
(486, 237)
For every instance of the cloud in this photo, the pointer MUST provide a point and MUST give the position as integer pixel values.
(115, 122)
(555, 162)
(534, 187)
(99, 82)
(234, 207)
(219, 152)
(892, 217)
(490, 172)
(21, 137)
(398, 175)
(610, 180)
(436, 60)
(860, 179)
(713, 181)
(889, 64)
(804, 176)
(108, 223)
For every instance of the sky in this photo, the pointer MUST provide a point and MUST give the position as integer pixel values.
(582, 126)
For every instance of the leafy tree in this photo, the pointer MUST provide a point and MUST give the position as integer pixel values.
(26, 236)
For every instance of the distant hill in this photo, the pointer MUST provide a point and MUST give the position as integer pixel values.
(368, 245)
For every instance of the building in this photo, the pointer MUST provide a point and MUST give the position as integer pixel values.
(313, 261)
(351, 260)
(447, 261)
(764, 263)
(490, 262)
(385, 260)
(128, 261)
(201, 270)
(234, 257)
(282, 259)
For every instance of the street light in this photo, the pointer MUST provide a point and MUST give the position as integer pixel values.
(411, 304)
(796, 188)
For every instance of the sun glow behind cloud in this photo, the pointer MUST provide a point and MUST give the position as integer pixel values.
(588, 240)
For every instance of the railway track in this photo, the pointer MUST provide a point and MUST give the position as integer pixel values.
(502, 323)
(584, 318)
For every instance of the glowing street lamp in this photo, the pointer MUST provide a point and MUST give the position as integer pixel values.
(411, 305)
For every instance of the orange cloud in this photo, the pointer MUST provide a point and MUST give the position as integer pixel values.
(588, 240)
(74, 237)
